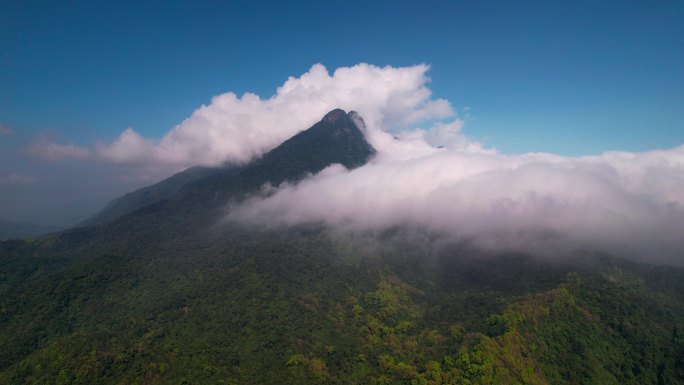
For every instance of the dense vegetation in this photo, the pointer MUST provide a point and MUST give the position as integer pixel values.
(297, 307)
(162, 294)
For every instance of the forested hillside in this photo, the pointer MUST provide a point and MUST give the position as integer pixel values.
(297, 307)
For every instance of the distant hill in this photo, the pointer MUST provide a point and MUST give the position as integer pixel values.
(13, 230)
(147, 195)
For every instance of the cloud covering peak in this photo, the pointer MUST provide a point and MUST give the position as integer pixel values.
(631, 204)
(232, 129)
(425, 173)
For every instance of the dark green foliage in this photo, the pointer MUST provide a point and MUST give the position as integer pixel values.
(292, 306)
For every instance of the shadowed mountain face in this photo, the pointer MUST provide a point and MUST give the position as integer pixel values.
(146, 196)
(335, 139)
(180, 209)
(158, 293)
(200, 190)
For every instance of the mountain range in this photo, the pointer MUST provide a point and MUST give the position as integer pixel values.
(158, 289)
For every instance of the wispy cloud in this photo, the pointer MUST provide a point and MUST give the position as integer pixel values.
(16, 180)
(5, 131)
(45, 149)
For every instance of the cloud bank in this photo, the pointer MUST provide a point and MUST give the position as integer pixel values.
(628, 203)
(234, 129)
(631, 204)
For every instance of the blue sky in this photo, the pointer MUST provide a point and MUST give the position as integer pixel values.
(570, 78)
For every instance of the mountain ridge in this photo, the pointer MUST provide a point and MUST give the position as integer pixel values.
(336, 138)
(147, 195)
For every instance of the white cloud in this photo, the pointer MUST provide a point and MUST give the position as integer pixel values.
(237, 129)
(630, 203)
(128, 148)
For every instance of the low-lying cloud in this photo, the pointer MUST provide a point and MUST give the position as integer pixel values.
(631, 204)
(426, 172)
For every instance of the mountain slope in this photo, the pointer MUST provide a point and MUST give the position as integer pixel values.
(196, 197)
(166, 294)
(9, 229)
(335, 139)
(146, 196)
(295, 306)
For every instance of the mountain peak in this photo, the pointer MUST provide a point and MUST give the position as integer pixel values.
(336, 139)
(357, 119)
(334, 115)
